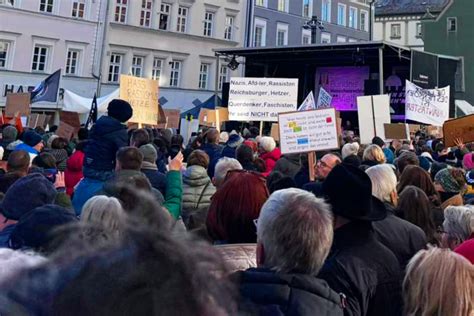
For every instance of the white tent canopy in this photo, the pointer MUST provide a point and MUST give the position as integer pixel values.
(76, 103)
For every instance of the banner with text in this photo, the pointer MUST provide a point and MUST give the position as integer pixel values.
(142, 94)
(261, 99)
(308, 131)
(429, 106)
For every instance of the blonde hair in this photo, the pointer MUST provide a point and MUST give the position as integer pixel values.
(439, 282)
(104, 211)
(374, 153)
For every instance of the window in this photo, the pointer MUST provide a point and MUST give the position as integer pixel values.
(121, 11)
(46, 6)
(352, 40)
(325, 38)
(341, 39)
(419, 30)
(395, 31)
(40, 58)
(115, 67)
(364, 25)
(326, 11)
(156, 70)
(229, 27)
(208, 23)
(203, 76)
(78, 8)
(4, 47)
(306, 37)
(137, 66)
(260, 33)
(283, 5)
(261, 3)
(353, 17)
(164, 17)
(175, 73)
(341, 14)
(307, 8)
(223, 76)
(452, 25)
(282, 34)
(72, 62)
(182, 17)
(145, 15)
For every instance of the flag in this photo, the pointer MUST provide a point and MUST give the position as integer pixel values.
(47, 90)
(92, 118)
(324, 99)
(308, 103)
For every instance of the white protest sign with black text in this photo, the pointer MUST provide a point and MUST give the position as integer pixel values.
(308, 131)
(261, 99)
(428, 106)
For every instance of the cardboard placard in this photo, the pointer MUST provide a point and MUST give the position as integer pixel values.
(142, 94)
(33, 120)
(462, 128)
(396, 131)
(308, 131)
(274, 132)
(65, 130)
(17, 103)
(373, 112)
(413, 129)
(213, 118)
(71, 118)
(172, 119)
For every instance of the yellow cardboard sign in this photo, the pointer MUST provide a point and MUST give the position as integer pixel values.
(142, 94)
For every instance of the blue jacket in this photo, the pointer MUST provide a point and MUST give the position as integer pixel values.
(26, 148)
(215, 153)
(106, 137)
(229, 152)
(86, 189)
(5, 236)
(157, 179)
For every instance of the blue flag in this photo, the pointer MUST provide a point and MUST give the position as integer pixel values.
(47, 90)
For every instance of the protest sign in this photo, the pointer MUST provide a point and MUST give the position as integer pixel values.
(436, 131)
(308, 131)
(396, 131)
(261, 99)
(373, 112)
(171, 118)
(324, 99)
(213, 118)
(274, 132)
(308, 103)
(142, 94)
(33, 120)
(17, 103)
(71, 118)
(460, 128)
(65, 130)
(429, 106)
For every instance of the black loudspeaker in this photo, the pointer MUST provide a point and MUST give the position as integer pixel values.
(371, 87)
(225, 93)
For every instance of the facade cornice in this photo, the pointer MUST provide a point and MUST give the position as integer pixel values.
(49, 15)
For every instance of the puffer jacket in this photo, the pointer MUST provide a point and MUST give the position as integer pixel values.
(197, 193)
(73, 173)
(270, 159)
(238, 257)
(61, 158)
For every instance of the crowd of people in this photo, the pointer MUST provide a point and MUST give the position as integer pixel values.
(136, 221)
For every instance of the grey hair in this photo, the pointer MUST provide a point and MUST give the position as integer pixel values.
(459, 222)
(104, 211)
(12, 261)
(223, 166)
(296, 231)
(384, 181)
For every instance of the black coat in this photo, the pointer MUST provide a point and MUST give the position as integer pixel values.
(364, 270)
(106, 137)
(289, 165)
(302, 177)
(265, 292)
(403, 238)
(315, 187)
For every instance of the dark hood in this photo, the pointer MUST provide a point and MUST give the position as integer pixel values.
(106, 125)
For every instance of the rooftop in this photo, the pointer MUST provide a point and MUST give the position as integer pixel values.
(397, 7)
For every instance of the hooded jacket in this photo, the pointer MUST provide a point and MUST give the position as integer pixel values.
(106, 137)
(270, 159)
(289, 165)
(197, 193)
(73, 173)
(265, 292)
(215, 153)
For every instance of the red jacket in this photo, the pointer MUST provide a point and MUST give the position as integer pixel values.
(73, 173)
(466, 249)
(271, 159)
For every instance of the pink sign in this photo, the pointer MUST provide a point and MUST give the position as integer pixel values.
(344, 84)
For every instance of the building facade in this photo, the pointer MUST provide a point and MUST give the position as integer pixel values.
(39, 37)
(280, 22)
(172, 41)
(451, 34)
(400, 22)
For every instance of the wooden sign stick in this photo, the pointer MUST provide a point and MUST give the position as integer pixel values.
(311, 165)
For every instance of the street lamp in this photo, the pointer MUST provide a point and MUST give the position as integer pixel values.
(314, 24)
(371, 18)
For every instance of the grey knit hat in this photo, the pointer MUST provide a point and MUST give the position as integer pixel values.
(149, 153)
(9, 134)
